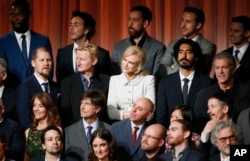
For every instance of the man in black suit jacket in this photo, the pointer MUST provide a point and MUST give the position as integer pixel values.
(14, 136)
(7, 94)
(82, 29)
(86, 79)
(38, 82)
(128, 139)
(52, 142)
(240, 34)
(171, 88)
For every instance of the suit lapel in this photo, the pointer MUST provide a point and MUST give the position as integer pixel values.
(246, 58)
(193, 87)
(178, 87)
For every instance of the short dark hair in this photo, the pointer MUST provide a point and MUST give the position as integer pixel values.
(22, 3)
(48, 128)
(89, 22)
(96, 97)
(200, 16)
(195, 47)
(226, 55)
(186, 111)
(244, 20)
(41, 48)
(145, 11)
(224, 99)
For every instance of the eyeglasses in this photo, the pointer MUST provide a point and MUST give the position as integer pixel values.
(150, 136)
(230, 138)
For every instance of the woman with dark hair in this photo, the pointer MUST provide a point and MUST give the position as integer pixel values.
(103, 146)
(44, 113)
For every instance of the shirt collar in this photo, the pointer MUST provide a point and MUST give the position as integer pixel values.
(241, 49)
(94, 124)
(40, 81)
(19, 35)
(190, 77)
(141, 42)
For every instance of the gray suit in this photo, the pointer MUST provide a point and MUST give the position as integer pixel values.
(153, 48)
(76, 139)
(243, 127)
(169, 64)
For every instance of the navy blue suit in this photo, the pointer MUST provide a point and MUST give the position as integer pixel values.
(244, 65)
(64, 62)
(188, 155)
(122, 132)
(15, 139)
(25, 92)
(18, 71)
(170, 94)
(71, 93)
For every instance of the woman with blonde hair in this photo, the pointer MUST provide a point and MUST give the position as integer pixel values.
(44, 113)
(130, 85)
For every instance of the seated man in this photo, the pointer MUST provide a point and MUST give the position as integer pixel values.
(77, 135)
(179, 136)
(223, 135)
(153, 140)
(128, 133)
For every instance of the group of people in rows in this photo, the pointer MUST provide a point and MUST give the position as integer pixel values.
(145, 102)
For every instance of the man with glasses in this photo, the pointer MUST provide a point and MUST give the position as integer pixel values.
(223, 135)
(153, 140)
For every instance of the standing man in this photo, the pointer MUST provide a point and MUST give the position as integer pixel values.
(223, 135)
(179, 136)
(77, 135)
(128, 133)
(38, 82)
(81, 30)
(86, 79)
(192, 22)
(139, 19)
(182, 86)
(240, 34)
(17, 46)
(153, 141)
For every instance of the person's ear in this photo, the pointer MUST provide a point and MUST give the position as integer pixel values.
(198, 26)
(145, 23)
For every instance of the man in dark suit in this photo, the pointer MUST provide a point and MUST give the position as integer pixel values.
(223, 135)
(179, 136)
(192, 22)
(77, 135)
(171, 89)
(240, 34)
(81, 30)
(17, 46)
(14, 136)
(128, 133)
(139, 19)
(86, 79)
(52, 142)
(7, 94)
(38, 82)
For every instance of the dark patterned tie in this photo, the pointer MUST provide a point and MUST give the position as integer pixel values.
(46, 87)
(89, 134)
(134, 135)
(24, 49)
(185, 90)
(236, 54)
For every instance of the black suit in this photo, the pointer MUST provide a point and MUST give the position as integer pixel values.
(64, 65)
(9, 101)
(25, 92)
(244, 68)
(170, 94)
(215, 158)
(42, 158)
(71, 93)
(15, 139)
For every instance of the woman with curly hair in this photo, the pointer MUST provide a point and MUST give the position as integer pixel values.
(44, 113)
(102, 146)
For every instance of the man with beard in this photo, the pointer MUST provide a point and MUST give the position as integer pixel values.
(179, 137)
(192, 22)
(139, 19)
(153, 140)
(38, 82)
(182, 86)
(17, 46)
(240, 34)
(223, 135)
(52, 142)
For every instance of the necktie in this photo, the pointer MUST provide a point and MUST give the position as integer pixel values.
(46, 87)
(236, 54)
(185, 90)
(89, 134)
(24, 49)
(134, 135)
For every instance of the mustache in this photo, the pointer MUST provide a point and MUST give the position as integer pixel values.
(184, 59)
(131, 28)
